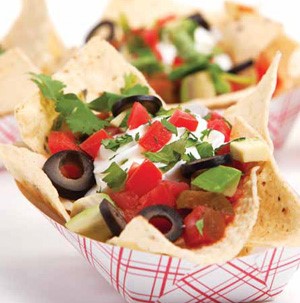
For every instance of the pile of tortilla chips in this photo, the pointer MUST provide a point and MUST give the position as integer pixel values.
(268, 213)
(245, 34)
(31, 44)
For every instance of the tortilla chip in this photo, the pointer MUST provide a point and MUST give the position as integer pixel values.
(254, 108)
(222, 101)
(141, 235)
(15, 85)
(26, 167)
(245, 38)
(34, 33)
(143, 13)
(96, 68)
(278, 219)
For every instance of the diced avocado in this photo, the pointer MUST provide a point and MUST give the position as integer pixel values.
(87, 202)
(220, 179)
(250, 150)
(90, 223)
(198, 85)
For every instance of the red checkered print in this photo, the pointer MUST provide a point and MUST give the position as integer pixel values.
(143, 277)
(283, 113)
(9, 132)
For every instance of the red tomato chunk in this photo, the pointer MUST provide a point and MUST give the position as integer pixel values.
(213, 227)
(156, 137)
(220, 125)
(92, 144)
(183, 119)
(59, 141)
(145, 177)
(138, 116)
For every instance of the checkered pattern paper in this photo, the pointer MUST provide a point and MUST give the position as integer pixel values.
(283, 113)
(142, 277)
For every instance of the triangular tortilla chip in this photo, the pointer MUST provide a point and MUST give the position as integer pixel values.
(26, 168)
(139, 234)
(96, 68)
(247, 37)
(142, 13)
(278, 219)
(254, 108)
(34, 33)
(15, 84)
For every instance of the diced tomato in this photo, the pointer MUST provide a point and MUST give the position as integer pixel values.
(59, 141)
(213, 227)
(238, 194)
(244, 167)
(156, 137)
(138, 116)
(151, 39)
(103, 115)
(113, 130)
(92, 144)
(158, 195)
(176, 188)
(213, 116)
(132, 169)
(125, 199)
(163, 86)
(145, 177)
(166, 193)
(220, 125)
(223, 150)
(129, 214)
(178, 61)
(163, 21)
(183, 119)
(162, 224)
(71, 171)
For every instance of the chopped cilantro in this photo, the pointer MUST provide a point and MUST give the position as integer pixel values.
(105, 102)
(115, 177)
(169, 126)
(116, 143)
(132, 87)
(169, 155)
(205, 133)
(137, 137)
(205, 150)
(75, 112)
(166, 112)
(200, 225)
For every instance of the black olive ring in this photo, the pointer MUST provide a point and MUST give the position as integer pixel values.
(113, 217)
(152, 104)
(67, 187)
(241, 67)
(188, 169)
(166, 212)
(199, 19)
(106, 23)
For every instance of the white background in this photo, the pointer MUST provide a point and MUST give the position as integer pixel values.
(36, 264)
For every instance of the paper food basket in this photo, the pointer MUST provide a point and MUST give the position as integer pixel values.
(143, 277)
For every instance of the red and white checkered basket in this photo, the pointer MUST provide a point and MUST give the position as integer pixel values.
(144, 277)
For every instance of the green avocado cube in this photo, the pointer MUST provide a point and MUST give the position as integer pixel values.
(220, 179)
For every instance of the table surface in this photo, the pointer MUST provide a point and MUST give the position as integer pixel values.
(36, 263)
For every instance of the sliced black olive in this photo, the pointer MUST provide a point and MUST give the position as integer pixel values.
(107, 25)
(199, 19)
(240, 67)
(70, 187)
(168, 213)
(112, 217)
(188, 169)
(152, 104)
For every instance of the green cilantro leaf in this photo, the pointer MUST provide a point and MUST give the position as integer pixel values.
(105, 102)
(78, 115)
(169, 126)
(132, 87)
(115, 177)
(51, 89)
(166, 112)
(137, 137)
(200, 225)
(205, 150)
(116, 143)
(169, 155)
(222, 86)
(205, 133)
